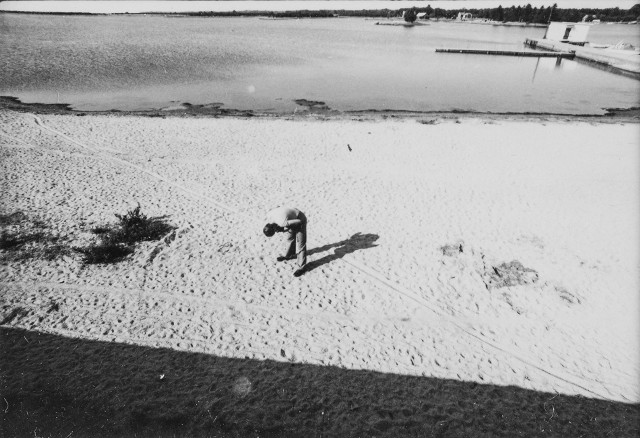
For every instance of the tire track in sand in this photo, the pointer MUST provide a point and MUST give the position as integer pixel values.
(101, 154)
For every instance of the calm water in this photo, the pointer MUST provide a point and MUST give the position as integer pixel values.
(142, 62)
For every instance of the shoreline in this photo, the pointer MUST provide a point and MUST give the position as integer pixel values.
(320, 111)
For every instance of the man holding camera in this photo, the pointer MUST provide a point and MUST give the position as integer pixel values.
(294, 223)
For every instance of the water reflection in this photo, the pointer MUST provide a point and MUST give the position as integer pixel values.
(142, 62)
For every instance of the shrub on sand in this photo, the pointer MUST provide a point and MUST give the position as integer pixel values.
(117, 241)
(106, 250)
(136, 227)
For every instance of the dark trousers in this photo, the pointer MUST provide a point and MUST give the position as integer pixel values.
(297, 241)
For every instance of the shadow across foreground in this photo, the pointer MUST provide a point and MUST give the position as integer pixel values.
(342, 248)
(56, 386)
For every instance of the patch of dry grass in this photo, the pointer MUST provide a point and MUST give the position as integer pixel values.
(117, 241)
(22, 238)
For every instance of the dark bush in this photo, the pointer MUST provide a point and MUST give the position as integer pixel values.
(136, 227)
(105, 251)
(117, 241)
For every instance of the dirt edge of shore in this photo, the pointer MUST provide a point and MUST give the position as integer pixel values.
(322, 112)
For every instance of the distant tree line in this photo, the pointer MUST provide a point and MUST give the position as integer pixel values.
(529, 14)
(526, 14)
(302, 13)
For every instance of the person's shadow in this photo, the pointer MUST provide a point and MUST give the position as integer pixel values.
(347, 246)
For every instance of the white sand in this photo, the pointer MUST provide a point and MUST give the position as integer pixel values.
(561, 197)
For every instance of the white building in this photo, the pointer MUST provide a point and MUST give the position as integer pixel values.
(574, 33)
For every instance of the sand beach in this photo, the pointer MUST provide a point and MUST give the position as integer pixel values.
(469, 275)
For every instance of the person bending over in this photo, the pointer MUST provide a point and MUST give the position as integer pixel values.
(294, 223)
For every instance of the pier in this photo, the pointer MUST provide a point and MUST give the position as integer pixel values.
(567, 55)
(626, 63)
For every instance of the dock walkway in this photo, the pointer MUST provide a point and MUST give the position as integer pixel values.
(568, 55)
(626, 61)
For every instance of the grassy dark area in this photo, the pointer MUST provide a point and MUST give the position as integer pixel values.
(11, 241)
(38, 245)
(60, 386)
(13, 218)
(23, 238)
(104, 251)
(117, 241)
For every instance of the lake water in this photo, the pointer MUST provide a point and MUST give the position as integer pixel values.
(145, 62)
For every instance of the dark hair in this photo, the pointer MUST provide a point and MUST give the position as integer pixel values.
(269, 230)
